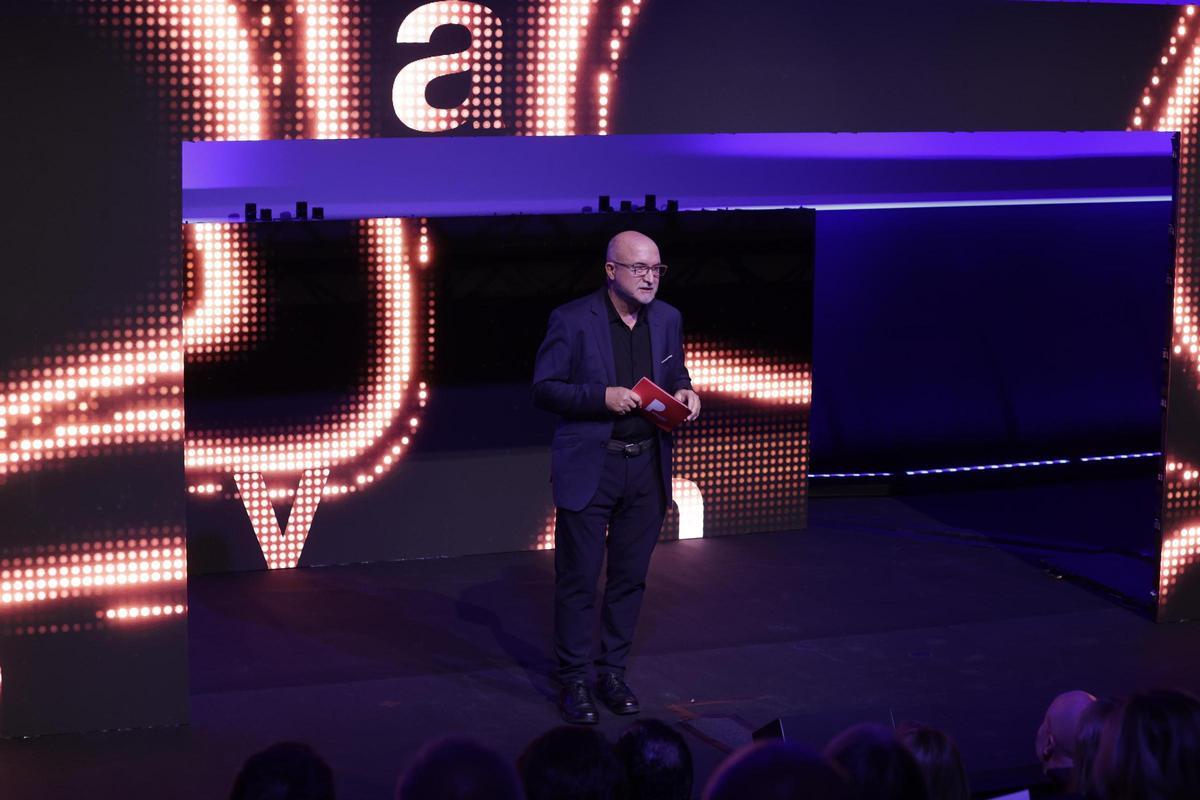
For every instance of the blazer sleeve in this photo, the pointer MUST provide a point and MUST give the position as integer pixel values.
(552, 387)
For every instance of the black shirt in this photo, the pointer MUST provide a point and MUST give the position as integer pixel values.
(631, 357)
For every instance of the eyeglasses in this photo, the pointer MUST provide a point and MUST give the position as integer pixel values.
(638, 270)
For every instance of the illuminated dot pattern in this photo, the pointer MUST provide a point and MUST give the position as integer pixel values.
(238, 70)
(749, 465)
(79, 619)
(1181, 543)
(545, 539)
(747, 454)
(330, 84)
(484, 60)
(1167, 102)
(369, 434)
(228, 70)
(606, 79)
(1170, 101)
(1180, 553)
(203, 58)
(116, 390)
(281, 549)
(384, 249)
(247, 70)
(122, 388)
(221, 276)
(142, 612)
(748, 375)
(1182, 486)
(378, 404)
(548, 82)
(63, 588)
(423, 243)
(565, 66)
(49, 628)
(81, 569)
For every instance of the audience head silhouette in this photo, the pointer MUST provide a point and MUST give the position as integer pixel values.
(657, 761)
(776, 770)
(571, 763)
(1056, 737)
(458, 768)
(877, 765)
(1087, 744)
(940, 762)
(1145, 747)
(284, 771)
(1150, 749)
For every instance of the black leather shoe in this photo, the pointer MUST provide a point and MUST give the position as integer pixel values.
(615, 694)
(576, 705)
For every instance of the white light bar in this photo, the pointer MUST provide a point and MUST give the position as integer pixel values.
(991, 467)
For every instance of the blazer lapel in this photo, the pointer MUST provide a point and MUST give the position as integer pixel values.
(603, 336)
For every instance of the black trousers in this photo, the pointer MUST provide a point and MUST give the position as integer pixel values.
(629, 505)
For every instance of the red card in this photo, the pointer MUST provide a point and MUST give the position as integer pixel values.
(659, 407)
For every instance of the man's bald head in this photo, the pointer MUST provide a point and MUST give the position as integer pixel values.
(631, 247)
(625, 250)
(1058, 735)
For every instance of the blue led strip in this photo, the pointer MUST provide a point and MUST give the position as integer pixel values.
(1048, 462)
(984, 467)
(851, 475)
(1120, 457)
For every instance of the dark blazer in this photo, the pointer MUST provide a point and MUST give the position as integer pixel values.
(574, 366)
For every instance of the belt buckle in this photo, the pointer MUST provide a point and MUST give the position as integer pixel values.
(632, 449)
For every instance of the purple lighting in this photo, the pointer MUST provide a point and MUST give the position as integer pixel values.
(491, 175)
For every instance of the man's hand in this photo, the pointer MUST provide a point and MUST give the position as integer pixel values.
(621, 400)
(691, 400)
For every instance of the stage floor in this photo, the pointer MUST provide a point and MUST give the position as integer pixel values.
(859, 618)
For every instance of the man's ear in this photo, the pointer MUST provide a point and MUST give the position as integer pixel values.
(610, 270)
(1048, 746)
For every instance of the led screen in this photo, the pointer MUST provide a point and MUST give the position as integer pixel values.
(1169, 102)
(371, 386)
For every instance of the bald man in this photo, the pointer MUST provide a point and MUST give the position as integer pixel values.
(1058, 735)
(611, 468)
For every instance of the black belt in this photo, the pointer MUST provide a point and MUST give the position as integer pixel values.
(629, 449)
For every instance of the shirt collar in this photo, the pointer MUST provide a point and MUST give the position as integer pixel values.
(613, 316)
